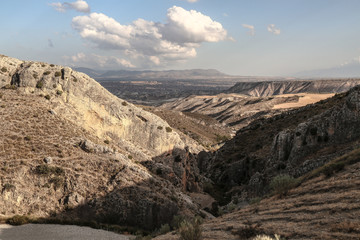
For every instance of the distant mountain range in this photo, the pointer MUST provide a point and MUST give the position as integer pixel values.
(156, 75)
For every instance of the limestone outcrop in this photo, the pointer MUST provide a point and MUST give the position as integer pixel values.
(82, 100)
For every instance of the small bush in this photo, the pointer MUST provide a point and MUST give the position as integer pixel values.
(160, 127)
(52, 65)
(8, 187)
(190, 230)
(124, 103)
(57, 74)
(130, 157)
(44, 169)
(165, 228)
(330, 169)
(57, 182)
(11, 87)
(281, 184)
(59, 92)
(4, 69)
(35, 75)
(75, 79)
(47, 97)
(47, 73)
(106, 141)
(176, 221)
(39, 84)
(168, 129)
(27, 138)
(18, 220)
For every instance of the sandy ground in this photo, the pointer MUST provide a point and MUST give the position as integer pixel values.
(305, 99)
(56, 232)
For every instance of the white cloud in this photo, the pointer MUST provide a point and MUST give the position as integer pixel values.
(192, 1)
(272, 28)
(191, 27)
(154, 42)
(95, 61)
(251, 29)
(79, 5)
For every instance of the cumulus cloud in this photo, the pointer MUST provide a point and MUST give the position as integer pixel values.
(159, 43)
(94, 61)
(79, 5)
(272, 28)
(251, 29)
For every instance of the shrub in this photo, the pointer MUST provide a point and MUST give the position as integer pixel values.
(44, 169)
(160, 127)
(106, 141)
(35, 75)
(57, 74)
(190, 230)
(8, 187)
(57, 181)
(52, 65)
(130, 157)
(176, 221)
(4, 69)
(39, 84)
(8, 86)
(59, 92)
(165, 228)
(124, 103)
(27, 138)
(281, 184)
(47, 73)
(18, 220)
(332, 168)
(168, 129)
(47, 97)
(75, 79)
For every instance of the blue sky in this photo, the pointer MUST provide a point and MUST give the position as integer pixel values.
(240, 37)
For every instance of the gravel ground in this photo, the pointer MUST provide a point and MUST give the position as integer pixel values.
(56, 232)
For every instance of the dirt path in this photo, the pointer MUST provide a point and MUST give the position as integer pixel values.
(56, 232)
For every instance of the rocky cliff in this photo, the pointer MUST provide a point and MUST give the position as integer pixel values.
(294, 142)
(269, 88)
(83, 101)
(70, 149)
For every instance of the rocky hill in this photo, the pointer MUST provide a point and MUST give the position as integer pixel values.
(71, 149)
(294, 143)
(236, 111)
(270, 88)
(325, 206)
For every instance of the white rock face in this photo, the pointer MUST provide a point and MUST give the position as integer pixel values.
(82, 100)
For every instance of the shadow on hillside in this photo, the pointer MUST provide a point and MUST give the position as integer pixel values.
(145, 205)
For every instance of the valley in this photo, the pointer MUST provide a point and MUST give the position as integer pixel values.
(74, 153)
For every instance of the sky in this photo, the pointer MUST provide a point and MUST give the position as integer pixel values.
(238, 37)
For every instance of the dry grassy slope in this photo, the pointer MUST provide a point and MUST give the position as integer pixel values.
(237, 111)
(204, 129)
(320, 208)
(83, 101)
(110, 183)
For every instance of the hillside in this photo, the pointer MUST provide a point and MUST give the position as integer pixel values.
(71, 150)
(236, 111)
(270, 88)
(322, 207)
(294, 143)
